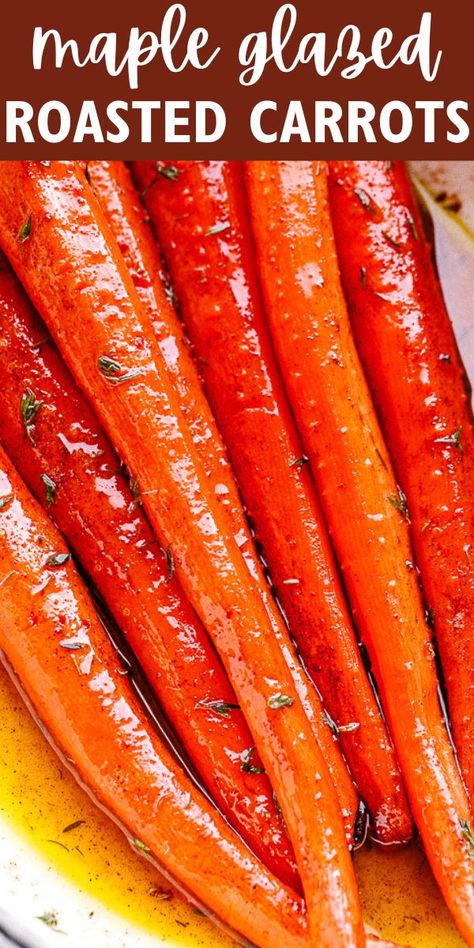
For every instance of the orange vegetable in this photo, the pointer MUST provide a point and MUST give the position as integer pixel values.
(215, 281)
(67, 462)
(77, 279)
(413, 366)
(358, 492)
(114, 188)
(58, 653)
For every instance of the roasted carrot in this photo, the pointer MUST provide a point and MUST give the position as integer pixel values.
(112, 184)
(59, 243)
(214, 278)
(409, 353)
(55, 648)
(358, 491)
(67, 462)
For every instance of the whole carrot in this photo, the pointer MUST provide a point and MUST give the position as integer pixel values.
(55, 648)
(114, 188)
(57, 446)
(358, 491)
(112, 184)
(198, 212)
(59, 243)
(409, 352)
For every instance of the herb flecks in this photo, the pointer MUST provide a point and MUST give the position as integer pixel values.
(58, 559)
(4, 501)
(430, 617)
(218, 228)
(452, 439)
(25, 230)
(391, 240)
(468, 836)
(170, 172)
(399, 501)
(29, 408)
(348, 728)
(246, 766)
(50, 919)
(135, 491)
(275, 702)
(141, 847)
(72, 826)
(114, 371)
(365, 200)
(338, 729)
(412, 225)
(169, 563)
(50, 489)
(222, 708)
(298, 463)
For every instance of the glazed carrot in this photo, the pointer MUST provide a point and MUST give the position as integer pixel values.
(328, 392)
(215, 282)
(59, 243)
(113, 186)
(67, 462)
(409, 352)
(54, 646)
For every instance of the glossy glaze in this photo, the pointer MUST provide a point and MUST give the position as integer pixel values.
(413, 366)
(113, 186)
(329, 395)
(216, 285)
(52, 642)
(96, 512)
(77, 279)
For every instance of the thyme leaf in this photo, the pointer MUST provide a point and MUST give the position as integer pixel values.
(29, 408)
(338, 729)
(169, 563)
(299, 462)
(454, 439)
(391, 240)
(58, 559)
(141, 847)
(399, 501)
(275, 702)
(412, 225)
(246, 766)
(25, 230)
(218, 228)
(170, 172)
(468, 836)
(72, 826)
(50, 488)
(50, 919)
(223, 708)
(365, 200)
(110, 368)
(4, 501)
(135, 491)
